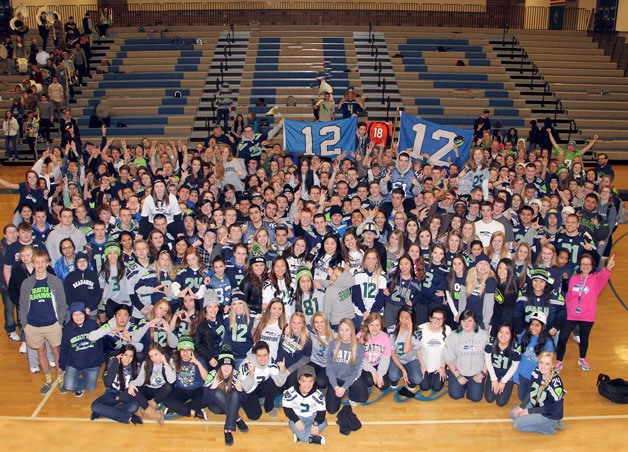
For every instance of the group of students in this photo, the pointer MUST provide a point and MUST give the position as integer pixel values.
(321, 280)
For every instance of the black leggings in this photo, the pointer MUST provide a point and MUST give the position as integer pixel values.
(431, 380)
(367, 377)
(266, 389)
(501, 399)
(565, 332)
(183, 401)
(358, 392)
(145, 393)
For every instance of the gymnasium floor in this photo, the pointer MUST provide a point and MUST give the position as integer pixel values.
(59, 422)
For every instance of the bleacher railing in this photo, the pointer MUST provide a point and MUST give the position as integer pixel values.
(324, 13)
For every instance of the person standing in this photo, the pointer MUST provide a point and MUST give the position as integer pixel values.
(581, 301)
(42, 310)
(11, 129)
(481, 124)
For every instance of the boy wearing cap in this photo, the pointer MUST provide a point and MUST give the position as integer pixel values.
(304, 405)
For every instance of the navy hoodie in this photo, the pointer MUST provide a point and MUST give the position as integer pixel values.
(83, 286)
(77, 350)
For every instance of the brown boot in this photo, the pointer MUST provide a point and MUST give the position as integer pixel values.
(140, 412)
(155, 415)
(152, 403)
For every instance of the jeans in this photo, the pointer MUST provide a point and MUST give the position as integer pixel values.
(536, 423)
(10, 143)
(220, 403)
(304, 435)
(358, 392)
(9, 312)
(73, 382)
(524, 388)
(413, 368)
(501, 399)
(109, 405)
(474, 390)
(222, 114)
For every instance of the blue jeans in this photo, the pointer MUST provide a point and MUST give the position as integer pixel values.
(474, 390)
(9, 312)
(220, 403)
(304, 435)
(536, 423)
(10, 143)
(73, 382)
(413, 368)
(110, 406)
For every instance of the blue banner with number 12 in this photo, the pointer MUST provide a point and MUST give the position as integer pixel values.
(424, 137)
(325, 139)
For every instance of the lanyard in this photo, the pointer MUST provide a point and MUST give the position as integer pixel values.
(582, 286)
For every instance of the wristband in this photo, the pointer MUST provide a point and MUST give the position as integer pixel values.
(459, 377)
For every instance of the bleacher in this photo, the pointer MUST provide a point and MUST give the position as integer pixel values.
(146, 73)
(449, 80)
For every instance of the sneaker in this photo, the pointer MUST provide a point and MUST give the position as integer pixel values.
(228, 439)
(35, 369)
(14, 337)
(242, 425)
(95, 416)
(295, 438)
(62, 388)
(560, 425)
(52, 364)
(46, 387)
(559, 366)
(405, 392)
(582, 362)
(353, 404)
(23, 348)
(394, 387)
(576, 338)
(135, 419)
(272, 413)
(201, 415)
(78, 394)
(317, 439)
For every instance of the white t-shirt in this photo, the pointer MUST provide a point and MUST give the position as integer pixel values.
(485, 231)
(150, 209)
(432, 345)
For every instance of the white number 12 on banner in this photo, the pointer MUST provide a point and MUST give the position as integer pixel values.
(439, 156)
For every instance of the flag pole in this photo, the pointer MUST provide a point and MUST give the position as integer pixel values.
(394, 130)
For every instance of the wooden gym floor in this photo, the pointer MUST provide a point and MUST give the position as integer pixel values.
(59, 422)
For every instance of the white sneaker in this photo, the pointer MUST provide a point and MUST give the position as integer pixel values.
(35, 369)
(52, 364)
(576, 338)
(23, 348)
(353, 404)
(14, 337)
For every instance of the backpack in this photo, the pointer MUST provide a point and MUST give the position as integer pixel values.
(615, 390)
(621, 213)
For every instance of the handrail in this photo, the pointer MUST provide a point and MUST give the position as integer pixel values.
(513, 43)
(524, 57)
(572, 129)
(383, 91)
(546, 92)
(379, 75)
(535, 71)
(559, 107)
(506, 28)
(388, 109)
